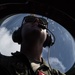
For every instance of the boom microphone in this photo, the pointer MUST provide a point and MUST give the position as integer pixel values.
(43, 27)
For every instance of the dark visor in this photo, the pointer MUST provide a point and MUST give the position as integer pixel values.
(32, 19)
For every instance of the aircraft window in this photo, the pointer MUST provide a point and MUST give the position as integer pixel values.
(61, 53)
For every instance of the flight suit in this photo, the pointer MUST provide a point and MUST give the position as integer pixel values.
(18, 64)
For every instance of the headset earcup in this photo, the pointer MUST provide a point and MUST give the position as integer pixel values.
(48, 41)
(16, 36)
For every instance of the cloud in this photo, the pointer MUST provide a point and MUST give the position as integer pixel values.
(53, 61)
(57, 64)
(6, 44)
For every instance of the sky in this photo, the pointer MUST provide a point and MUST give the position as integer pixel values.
(62, 49)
